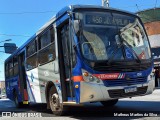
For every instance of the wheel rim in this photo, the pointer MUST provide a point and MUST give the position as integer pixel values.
(55, 103)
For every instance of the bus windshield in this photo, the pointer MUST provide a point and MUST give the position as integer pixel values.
(111, 35)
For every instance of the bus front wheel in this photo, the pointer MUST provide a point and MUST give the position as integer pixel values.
(109, 103)
(55, 105)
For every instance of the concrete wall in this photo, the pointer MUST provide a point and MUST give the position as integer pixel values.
(2, 84)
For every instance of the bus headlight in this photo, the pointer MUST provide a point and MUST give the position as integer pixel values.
(91, 78)
(88, 77)
(151, 76)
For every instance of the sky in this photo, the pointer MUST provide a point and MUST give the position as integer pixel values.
(20, 19)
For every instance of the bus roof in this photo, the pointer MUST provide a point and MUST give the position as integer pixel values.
(60, 14)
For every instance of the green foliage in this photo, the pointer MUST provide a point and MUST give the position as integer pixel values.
(150, 15)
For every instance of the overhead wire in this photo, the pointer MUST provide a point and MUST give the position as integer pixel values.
(137, 7)
(155, 10)
(50, 11)
(134, 6)
(27, 12)
(14, 35)
(155, 3)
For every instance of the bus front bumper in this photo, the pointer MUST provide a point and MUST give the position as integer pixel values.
(90, 92)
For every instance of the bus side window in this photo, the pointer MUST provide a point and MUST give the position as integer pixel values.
(31, 55)
(65, 42)
(46, 45)
(10, 68)
(65, 37)
(46, 38)
(65, 46)
(31, 49)
(15, 64)
(6, 70)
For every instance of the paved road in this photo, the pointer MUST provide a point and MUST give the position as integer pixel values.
(149, 104)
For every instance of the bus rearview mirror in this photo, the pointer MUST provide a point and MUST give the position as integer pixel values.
(10, 47)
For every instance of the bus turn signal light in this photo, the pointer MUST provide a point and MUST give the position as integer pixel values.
(76, 86)
(85, 74)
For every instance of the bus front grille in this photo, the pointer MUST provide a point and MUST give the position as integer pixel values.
(101, 67)
(124, 82)
(120, 92)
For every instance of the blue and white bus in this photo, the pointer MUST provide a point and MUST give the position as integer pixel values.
(83, 54)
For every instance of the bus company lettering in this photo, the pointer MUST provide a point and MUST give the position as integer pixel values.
(110, 76)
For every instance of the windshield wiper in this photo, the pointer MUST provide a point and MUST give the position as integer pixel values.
(122, 41)
(114, 53)
(118, 46)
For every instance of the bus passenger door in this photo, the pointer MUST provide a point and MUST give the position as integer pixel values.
(22, 77)
(65, 62)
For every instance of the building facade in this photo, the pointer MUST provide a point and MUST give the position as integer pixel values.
(2, 86)
(151, 20)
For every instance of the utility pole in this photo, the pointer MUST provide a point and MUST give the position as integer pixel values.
(105, 3)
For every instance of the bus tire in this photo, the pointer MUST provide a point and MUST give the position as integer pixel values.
(54, 102)
(109, 103)
(18, 104)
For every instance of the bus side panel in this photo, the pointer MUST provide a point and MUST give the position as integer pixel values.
(34, 84)
(11, 85)
(9, 92)
(47, 72)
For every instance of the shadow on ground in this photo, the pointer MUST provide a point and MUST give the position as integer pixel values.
(121, 109)
(97, 110)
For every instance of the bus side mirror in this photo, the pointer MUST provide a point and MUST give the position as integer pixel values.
(76, 26)
(10, 48)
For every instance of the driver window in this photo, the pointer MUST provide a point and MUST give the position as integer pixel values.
(95, 45)
(88, 50)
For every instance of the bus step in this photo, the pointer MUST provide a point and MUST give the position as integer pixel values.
(72, 103)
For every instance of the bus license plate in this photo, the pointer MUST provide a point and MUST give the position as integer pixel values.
(130, 89)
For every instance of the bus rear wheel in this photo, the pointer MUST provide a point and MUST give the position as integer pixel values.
(55, 105)
(109, 103)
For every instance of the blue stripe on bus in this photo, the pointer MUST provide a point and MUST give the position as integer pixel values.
(12, 84)
(77, 92)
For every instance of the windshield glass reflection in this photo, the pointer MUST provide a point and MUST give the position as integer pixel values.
(100, 37)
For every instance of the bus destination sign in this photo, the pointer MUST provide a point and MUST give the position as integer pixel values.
(107, 20)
